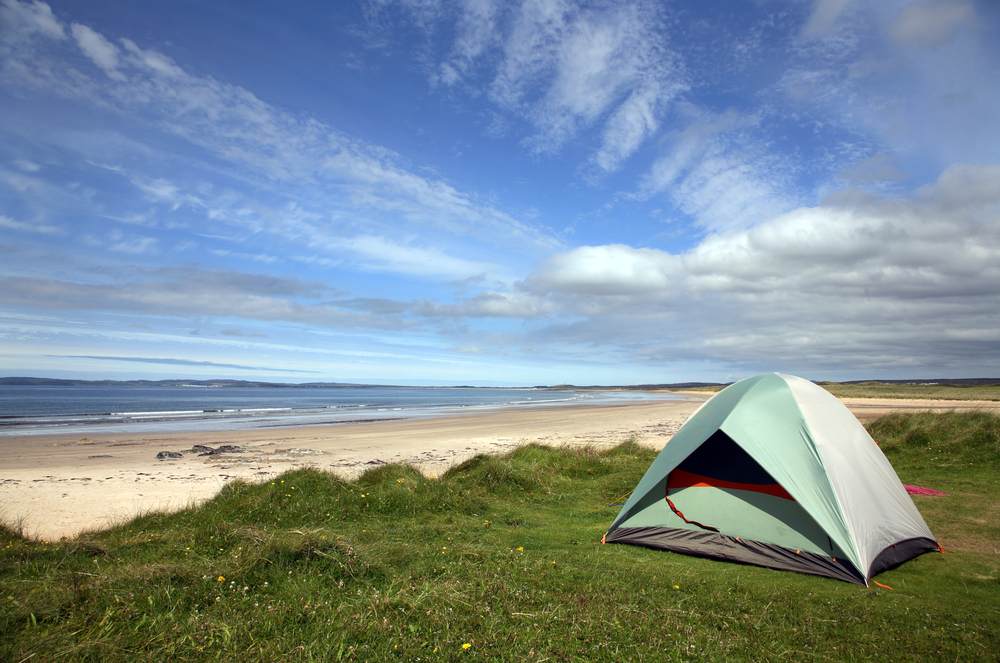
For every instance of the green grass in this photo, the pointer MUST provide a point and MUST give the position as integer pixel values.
(501, 553)
(875, 389)
(983, 392)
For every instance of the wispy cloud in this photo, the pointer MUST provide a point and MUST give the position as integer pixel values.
(565, 69)
(303, 175)
(100, 51)
(21, 226)
(718, 173)
(169, 361)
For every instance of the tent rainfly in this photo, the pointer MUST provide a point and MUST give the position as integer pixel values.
(775, 471)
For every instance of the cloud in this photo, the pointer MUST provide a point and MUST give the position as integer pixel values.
(930, 23)
(877, 169)
(866, 282)
(380, 254)
(489, 305)
(25, 19)
(256, 167)
(567, 70)
(243, 255)
(134, 245)
(100, 51)
(859, 79)
(614, 269)
(717, 172)
(476, 32)
(169, 361)
(190, 292)
(636, 120)
(20, 226)
(563, 69)
(823, 17)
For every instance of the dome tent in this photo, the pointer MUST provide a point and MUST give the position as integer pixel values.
(775, 471)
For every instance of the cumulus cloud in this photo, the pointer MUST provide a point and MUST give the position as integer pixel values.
(862, 282)
(613, 269)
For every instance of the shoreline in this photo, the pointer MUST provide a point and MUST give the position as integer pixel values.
(196, 421)
(62, 485)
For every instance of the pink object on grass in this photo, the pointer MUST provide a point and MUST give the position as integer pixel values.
(920, 490)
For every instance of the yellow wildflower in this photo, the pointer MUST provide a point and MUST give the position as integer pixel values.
(519, 549)
(221, 579)
(466, 645)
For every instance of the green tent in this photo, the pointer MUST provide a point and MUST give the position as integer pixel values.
(775, 471)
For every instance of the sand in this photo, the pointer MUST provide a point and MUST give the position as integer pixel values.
(62, 485)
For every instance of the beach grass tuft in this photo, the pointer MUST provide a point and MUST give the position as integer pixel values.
(499, 559)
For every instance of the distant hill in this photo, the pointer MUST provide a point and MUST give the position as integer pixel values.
(56, 382)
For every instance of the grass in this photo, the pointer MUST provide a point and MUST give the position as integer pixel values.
(875, 389)
(502, 554)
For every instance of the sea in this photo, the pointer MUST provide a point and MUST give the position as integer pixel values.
(51, 409)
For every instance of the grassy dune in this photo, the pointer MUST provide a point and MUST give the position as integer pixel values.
(874, 389)
(501, 554)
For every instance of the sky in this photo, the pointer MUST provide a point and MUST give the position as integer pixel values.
(500, 192)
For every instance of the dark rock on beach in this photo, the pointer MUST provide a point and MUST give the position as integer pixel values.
(204, 450)
(167, 455)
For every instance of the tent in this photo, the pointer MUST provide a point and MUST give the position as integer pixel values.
(775, 471)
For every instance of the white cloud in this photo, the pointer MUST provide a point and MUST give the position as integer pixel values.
(719, 174)
(865, 282)
(476, 32)
(564, 69)
(592, 63)
(636, 120)
(530, 48)
(133, 245)
(862, 76)
(20, 226)
(823, 17)
(156, 63)
(381, 254)
(100, 51)
(243, 255)
(613, 269)
(24, 19)
(296, 179)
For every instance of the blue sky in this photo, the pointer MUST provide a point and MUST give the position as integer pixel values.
(500, 192)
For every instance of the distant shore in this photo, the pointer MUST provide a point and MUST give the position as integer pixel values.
(60, 485)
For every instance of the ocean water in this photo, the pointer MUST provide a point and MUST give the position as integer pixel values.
(37, 410)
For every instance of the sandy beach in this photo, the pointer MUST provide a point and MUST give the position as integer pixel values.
(61, 485)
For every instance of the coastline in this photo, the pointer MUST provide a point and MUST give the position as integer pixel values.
(62, 485)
